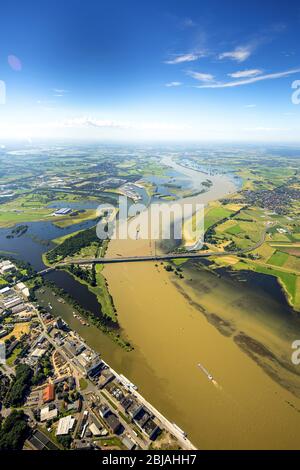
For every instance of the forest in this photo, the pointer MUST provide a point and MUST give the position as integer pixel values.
(72, 245)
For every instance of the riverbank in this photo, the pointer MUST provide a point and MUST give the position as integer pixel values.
(88, 275)
(113, 332)
(171, 335)
(173, 324)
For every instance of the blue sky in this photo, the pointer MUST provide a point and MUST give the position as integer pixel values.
(173, 70)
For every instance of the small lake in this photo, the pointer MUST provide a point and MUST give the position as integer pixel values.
(36, 241)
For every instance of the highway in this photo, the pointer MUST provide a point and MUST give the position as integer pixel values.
(164, 257)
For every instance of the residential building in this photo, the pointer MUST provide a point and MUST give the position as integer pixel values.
(49, 393)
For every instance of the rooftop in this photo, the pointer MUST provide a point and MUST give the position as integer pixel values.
(48, 393)
(46, 413)
(65, 425)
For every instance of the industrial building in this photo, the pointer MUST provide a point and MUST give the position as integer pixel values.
(62, 211)
(65, 425)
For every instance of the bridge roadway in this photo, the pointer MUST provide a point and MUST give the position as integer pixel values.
(165, 257)
(130, 259)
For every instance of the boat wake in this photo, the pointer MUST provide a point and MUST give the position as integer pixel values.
(209, 376)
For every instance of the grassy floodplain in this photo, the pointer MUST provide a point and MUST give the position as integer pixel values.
(229, 229)
(33, 207)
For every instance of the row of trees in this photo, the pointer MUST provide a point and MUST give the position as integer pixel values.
(43, 370)
(4, 385)
(102, 321)
(20, 386)
(211, 233)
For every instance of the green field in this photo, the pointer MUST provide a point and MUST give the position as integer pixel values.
(11, 359)
(9, 219)
(215, 214)
(83, 384)
(287, 280)
(278, 258)
(235, 230)
(103, 294)
(64, 222)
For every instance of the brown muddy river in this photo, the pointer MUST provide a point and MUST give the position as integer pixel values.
(174, 324)
(240, 332)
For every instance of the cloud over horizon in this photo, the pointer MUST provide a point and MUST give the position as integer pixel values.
(247, 81)
(80, 122)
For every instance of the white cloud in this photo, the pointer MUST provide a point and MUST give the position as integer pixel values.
(85, 122)
(202, 77)
(91, 122)
(239, 54)
(245, 73)
(172, 84)
(60, 91)
(270, 76)
(250, 106)
(181, 58)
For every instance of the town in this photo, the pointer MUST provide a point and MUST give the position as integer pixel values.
(57, 393)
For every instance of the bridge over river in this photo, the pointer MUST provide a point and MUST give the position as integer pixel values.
(163, 257)
(132, 259)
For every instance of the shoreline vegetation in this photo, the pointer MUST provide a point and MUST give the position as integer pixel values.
(113, 330)
(286, 281)
(86, 243)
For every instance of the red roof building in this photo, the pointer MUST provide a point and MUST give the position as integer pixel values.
(48, 393)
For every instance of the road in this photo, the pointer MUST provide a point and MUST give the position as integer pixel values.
(183, 441)
(164, 257)
(127, 428)
(92, 388)
(77, 372)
